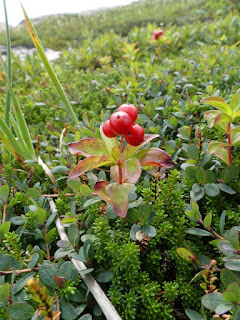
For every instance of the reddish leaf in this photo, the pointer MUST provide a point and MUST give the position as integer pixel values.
(155, 157)
(100, 190)
(131, 171)
(119, 194)
(88, 147)
(83, 166)
(110, 143)
(129, 151)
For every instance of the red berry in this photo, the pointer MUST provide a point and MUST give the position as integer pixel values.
(107, 130)
(135, 136)
(157, 34)
(130, 109)
(120, 122)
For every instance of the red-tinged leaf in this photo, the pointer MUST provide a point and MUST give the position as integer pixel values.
(105, 160)
(215, 145)
(210, 116)
(154, 157)
(88, 147)
(235, 103)
(83, 166)
(100, 190)
(131, 171)
(218, 103)
(119, 194)
(129, 151)
(235, 135)
(186, 254)
(223, 117)
(110, 143)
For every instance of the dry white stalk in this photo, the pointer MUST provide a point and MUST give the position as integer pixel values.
(104, 303)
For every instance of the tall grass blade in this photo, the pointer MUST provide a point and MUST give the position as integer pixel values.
(9, 67)
(51, 73)
(21, 120)
(7, 144)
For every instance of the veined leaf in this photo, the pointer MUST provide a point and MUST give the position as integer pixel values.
(88, 147)
(236, 115)
(49, 69)
(119, 194)
(90, 163)
(154, 157)
(218, 103)
(211, 115)
(218, 149)
(223, 117)
(131, 172)
(129, 151)
(100, 190)
(235, 103)
(235, 135)
(110, 143)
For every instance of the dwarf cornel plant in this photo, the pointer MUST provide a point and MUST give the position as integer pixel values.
(125, 163)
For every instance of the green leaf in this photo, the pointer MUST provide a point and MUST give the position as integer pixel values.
(226, 188)
(193, 315)
(50, 70)
(201, 175)
(62, 252)
(68, 271)
(4, 292)
(207, 221)
(134, 229)
(40, 215)
(224, 307)
(21, 283)
(129, 151)
(212, 300)
(212, 189)
(86, 316)
(192, 215)
(237, 314)
(20, 311)
(198, 232)
(227, 277)
(4, 264)
(4, 193)
(86, 271)
(235, 103)
(218, 149)
(235, 135)
(50, 235)
(150, 231)
(4, 228)
(68, 220)
(143, 213)
(218, 103)
(197, 192)
(186, 254)
(34, 193)
(67, 310)
(230, 173)
(46, 274)
(222, 222)
(230, 296)
(119, 194)
(233, 265)
(73, 234)
(85, 190)
(34, 260)
(110, 143)
(234, 238)
(105, 276)
(193, 152)
(88, 147)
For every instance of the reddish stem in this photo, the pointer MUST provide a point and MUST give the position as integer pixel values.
(119, 165)
(229, 144)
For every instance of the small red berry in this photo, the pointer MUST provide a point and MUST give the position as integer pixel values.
(107, 130)
(157, 34)
(130, 109)
(135, 136)
(120, 122)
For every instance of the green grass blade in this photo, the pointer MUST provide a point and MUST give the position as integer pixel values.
(49, 69)
(9, 68)
(21, 120)
(7, 144)
(21, 142)
(10, 137)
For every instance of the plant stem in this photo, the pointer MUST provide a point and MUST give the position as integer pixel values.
(119, 164)
(4, 212)
(214, 233)
(229, 144)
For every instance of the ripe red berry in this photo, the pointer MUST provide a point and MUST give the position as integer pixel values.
(120, 122)
(157, 34)
(130, 109)
(107, 130)
(135, 136)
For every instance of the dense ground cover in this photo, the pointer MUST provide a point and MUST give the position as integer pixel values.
(146, 277)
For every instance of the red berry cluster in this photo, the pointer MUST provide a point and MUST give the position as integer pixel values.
(157, 34)
(122, 123)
